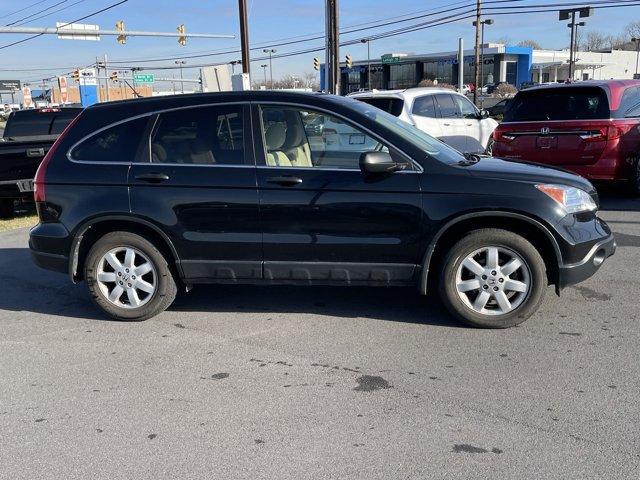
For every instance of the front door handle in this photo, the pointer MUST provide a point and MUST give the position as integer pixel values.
(285, 180)
(447, 124)
(153, 177)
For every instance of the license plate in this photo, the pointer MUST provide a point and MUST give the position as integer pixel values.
(25, 185)
(547, 142)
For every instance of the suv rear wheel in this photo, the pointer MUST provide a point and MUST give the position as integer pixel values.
(128, 278)
(493, 278)
(6, 207)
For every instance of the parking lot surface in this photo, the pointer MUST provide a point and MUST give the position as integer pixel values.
(280, 382)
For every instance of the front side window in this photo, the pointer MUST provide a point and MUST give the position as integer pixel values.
(114, 144)
(466, 107)
(448, 108)
(303, 138)
(199, 136)
(424, 107)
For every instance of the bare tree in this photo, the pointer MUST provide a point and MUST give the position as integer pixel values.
(594, 40)
(530, 43)
(506, 40)
(310, 80)
(633, 30)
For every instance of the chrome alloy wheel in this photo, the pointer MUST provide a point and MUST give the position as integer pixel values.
(493, 280)
(126, 277)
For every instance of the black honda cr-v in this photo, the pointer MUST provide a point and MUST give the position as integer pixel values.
(139, 198)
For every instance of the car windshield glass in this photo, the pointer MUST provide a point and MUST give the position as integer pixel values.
(425, 142)
(564, 103)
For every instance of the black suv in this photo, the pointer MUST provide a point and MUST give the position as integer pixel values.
(140, 197)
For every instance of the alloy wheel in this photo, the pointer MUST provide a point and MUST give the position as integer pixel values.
(493, 280)
(126, 277)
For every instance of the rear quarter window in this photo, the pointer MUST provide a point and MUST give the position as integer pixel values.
(118, 143)
(563, 103)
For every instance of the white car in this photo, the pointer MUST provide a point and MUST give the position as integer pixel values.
(442, 113)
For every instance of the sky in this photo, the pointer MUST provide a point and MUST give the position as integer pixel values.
(269, 20)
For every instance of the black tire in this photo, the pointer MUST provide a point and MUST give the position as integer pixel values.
(165, 291)
(6, 207)
(504, 239)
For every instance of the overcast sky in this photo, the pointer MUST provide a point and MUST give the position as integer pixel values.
(268, 20)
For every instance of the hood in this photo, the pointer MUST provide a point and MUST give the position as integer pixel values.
(490, 167)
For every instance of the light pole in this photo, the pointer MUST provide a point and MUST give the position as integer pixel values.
(180, 63)
(368, 42)
(488, 21)
(637, 42)
(270, 51)
(264, 69)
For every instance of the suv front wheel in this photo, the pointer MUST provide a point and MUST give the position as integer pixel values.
(128, 278)
(493, 278)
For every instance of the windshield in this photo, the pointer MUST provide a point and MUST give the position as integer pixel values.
(425, 142)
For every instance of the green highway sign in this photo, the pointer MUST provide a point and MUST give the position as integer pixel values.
(392, 57)
(143, 78)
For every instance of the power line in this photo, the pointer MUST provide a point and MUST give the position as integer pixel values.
(69, 23)
(23, 9)
(37, 13)
(52, 13)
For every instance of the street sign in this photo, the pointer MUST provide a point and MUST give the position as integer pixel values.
(64, 95)
(392, 57)
(140, 78)
(75, 27)
(26, 97)
(9, 85)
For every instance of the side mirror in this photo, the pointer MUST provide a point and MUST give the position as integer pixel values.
(484, 114)
(379, 162)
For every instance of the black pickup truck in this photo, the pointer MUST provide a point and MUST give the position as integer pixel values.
(28, 136)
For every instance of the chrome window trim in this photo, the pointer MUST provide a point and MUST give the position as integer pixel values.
(149, 114)
(349, 121)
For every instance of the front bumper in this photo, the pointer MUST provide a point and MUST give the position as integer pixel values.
(570, 274)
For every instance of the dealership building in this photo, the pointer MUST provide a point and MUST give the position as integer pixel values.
(501, 63)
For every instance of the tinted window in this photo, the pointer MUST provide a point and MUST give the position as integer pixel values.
(424, 107)
(205, 135)
(60, 122)
(630, 103)
(303, 138)
(448, 108)
(115, 144)
(28, 124)
(466, 107)
(563, 103)
(390, 105)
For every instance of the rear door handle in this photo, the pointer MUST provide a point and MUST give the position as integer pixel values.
(285, 180)
(447, 124)
(35, 152)
(153, 177)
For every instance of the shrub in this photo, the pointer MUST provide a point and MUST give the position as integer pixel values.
(505, 90)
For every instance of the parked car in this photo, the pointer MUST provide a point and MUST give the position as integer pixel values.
(465, 89)
(142, 197)
(497, 111)
(28, 136)
(591, 128)
(442, 113)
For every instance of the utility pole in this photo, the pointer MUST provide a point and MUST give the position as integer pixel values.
(244, 36)
(368, 42)
(477, 52)
(571, 14)
(637, 42)
(106, 72)
(332, 55)
(460, 64)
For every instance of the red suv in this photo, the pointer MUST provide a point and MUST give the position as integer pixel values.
(591, 128)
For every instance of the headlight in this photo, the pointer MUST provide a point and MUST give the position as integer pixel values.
(572, 200)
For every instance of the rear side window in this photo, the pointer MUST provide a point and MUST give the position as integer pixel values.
(448, 108)
(114, 144)
(563, 103)
(60, 122)
(390, 105)
(424, 107)
(630, 103)
(200, 136)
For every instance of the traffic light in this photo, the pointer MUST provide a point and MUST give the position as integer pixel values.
(122, 38)
(76, 75)
(114, 76)
(349, 61)
(316, 63)
(182, 40)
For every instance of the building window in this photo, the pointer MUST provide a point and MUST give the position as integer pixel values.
(402, 76)
(585, 76)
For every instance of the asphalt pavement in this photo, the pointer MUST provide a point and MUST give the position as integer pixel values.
(246, 382)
